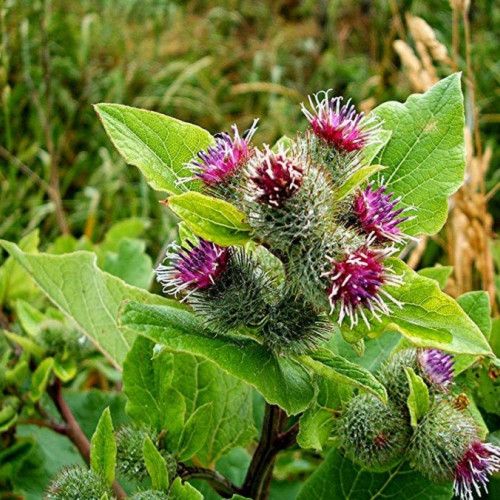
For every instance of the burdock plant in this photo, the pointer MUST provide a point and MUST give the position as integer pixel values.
(286, 254)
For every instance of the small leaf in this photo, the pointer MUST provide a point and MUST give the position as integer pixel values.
(8, 417)
(130, 263)
(29, 317)
(339, 369)
(132, 228)
(156, 466)
(14, 283)
(65, 370)
(356, 179)
(418, 400)
(195, 432)
(184, 491)
(438, 273)
(40, 378)
(26, 343)
(103, 448)
(212, 219)
(477, 306)
(284, 141)
(160, 146)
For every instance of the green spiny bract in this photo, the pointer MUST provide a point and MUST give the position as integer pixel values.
(300, 219)
(372, 433)
(129, 457)
(238, 298)
(394, 378)
(77, 483)
(129, 453)
(441, 440)
(149, 495)
(434, 366)
(56, 337)
(293, 326)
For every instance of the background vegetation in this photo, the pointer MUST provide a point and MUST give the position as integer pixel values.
(215, 63)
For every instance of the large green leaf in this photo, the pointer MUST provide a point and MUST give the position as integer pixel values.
(342, 371)
(212, 219)
(280, 380)
(160, 146)
(428, 317)
(88, 296)
(337, 478)
(164, 389)
(425, 157)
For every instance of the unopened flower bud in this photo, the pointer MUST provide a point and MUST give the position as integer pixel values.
(440, 441)
(372, 433)
(77, 483)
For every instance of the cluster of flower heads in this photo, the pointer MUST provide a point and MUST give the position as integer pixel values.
(333, 248)
(444, 445)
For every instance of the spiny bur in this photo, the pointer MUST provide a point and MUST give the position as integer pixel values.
(77, 483)
(373, 433)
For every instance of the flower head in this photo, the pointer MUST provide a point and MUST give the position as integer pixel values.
(340, 126)
(274, 177)
(218, 163)
(437, 366)
(356, 283)
(377, 215)
(195, 267)
(478, 463)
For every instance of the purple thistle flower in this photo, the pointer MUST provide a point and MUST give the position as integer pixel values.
(218, 163)
(357, 282)
(478, 463)
(376, 214)
(437, 367)
(274, 177)
(340, 126)
(193, 268)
